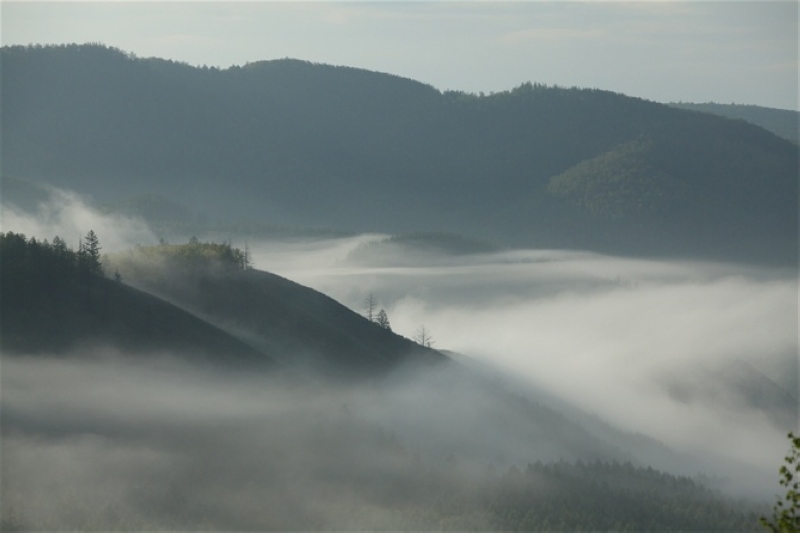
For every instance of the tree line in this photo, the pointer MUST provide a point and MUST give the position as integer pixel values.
(34, 270)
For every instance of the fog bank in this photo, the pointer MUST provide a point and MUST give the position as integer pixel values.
(67, 215)
(701, 356)
(153, 443)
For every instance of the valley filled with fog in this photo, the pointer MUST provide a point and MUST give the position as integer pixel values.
(651, 346)
(688, 367)
(322, 293)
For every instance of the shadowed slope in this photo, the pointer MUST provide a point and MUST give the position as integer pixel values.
(299, 324)
(44, 312)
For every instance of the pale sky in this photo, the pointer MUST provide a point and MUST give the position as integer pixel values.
(741, 52)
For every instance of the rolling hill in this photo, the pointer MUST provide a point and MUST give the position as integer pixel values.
(198, 303)
(289, 142)
(782, 122)
(298, 324)
(49, 306)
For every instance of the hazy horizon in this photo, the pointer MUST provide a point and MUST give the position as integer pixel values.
(724, 52)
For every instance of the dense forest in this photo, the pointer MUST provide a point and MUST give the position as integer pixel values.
(293, 143)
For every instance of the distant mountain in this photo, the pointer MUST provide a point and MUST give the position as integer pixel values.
(289, 142)
(412, 247)
(782, 122)
(173, 221)
(737, 385)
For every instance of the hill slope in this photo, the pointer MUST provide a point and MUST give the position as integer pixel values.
(215, 309)
(48, 305)
(290, 142)
(782, 122)
(296, 323)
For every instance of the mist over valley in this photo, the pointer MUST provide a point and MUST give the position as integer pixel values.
(291, 296)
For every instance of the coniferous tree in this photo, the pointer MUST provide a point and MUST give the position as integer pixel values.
(371, 303)
(383, 320)
(244, 258)
(90, 265)
(91, 250)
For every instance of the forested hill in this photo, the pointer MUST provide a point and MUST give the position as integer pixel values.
(299, 325)
(291, 142)
(56, 300)
(199, 300)
(781, 122)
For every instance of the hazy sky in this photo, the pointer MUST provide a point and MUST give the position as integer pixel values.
(742, 52)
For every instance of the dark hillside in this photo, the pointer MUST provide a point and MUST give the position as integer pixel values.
(49, 305)
(299, 324)
(291, 142)
(782, 122)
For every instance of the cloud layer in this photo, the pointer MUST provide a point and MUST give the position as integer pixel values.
(670, 349)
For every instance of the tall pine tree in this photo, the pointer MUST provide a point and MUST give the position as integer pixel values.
(91, 249)
(90, 265)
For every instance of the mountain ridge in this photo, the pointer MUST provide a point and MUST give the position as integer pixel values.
(295, 143)
(192, 300)
(781, 122)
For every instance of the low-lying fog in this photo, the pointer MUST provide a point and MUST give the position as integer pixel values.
(700, 356)
(103, 442)
(70, 216)
(665, 348)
